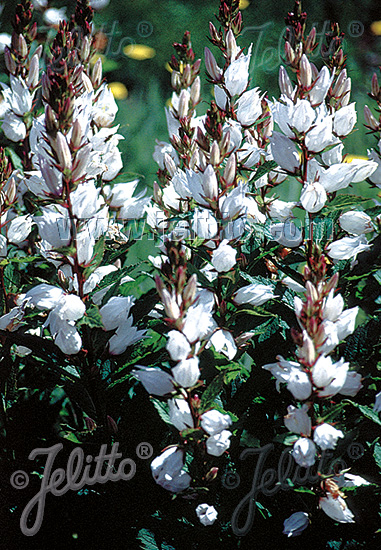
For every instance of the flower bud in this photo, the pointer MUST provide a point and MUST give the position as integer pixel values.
(22, 47)
(340, 82)
(10, 63)
(314, 71)
(231, 45)
(189, 291)
(51, 123)
(215, 154)
(38, 51)
(195, 91)
(45, 83)
(175, 80)
(76, 135)
(375, 86)
(230, 170)
(169, 164)
(10, 193)
(311, 39)
(285, 82)
(211, 475)
(211, 66)
(33, 74)
(290, 54)
(183, 104)
(63, 152)
(224, 147)
(305, 72)
(85, 48)
(346, 93)
(370, 119)
(187, 75)
(157, 193)
(96, 75)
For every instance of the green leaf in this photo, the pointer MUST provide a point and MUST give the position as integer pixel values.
(148, 541)
(264, 169)
(214, 389)
(367, 412)
(162, 409)
(377, 454)
(92, 318)
(15, 159)
(341, 202)
(286, 439)
(249, 440)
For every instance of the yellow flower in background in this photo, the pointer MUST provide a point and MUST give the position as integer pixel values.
(376, 28)
(119, 90)
(139, 52)
(243, 4)
(349, 158)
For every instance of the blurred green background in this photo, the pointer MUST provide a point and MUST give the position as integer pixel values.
(146, 29)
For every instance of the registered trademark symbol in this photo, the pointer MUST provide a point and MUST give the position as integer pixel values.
(145, 29)
(144, 450)
(355, 29)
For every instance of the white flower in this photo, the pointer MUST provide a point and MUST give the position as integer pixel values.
(186, 373)
(44, 296)
(336, 508)
(299, 384)
(346, 322)
(249, 107)
(161, 149)
(105, 107)
(54, 225)
(125, 336)
(320, 135)
(329, 376)
(217, 444)
(334, 155)
(320, 89)
(223, 342)
(237, 74)
(204, 224)
(214, 422)
(19, 229)
(302, 116)
(206, 514)
(180, 414)
(68, 339)
(84, 200)
(313, 197)
(177, 346)
(347, 247)
(363, 169)
(167, 470)
(337, 176)
(352, 384)
(255, 294)
(281, 210)
(284, 152)
(199, 322)
(298, 421)
(350, 480)
(356, 223)
(13, 127)
(295, 524)
(304, 452)
(155, 381)
(224, 257)
(345, 120)
(326, 436)
(116, 311)
(332, 306)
